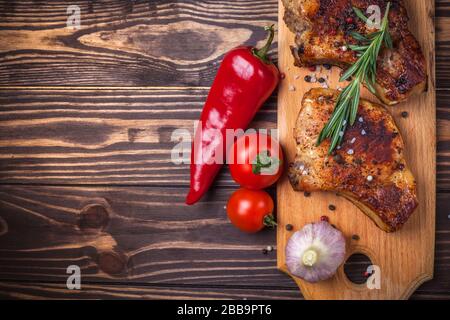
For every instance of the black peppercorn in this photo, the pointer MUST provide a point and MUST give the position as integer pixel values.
(332, 207)
(338, 158)
(307, 194)
(321, 80)
(355, 237)
(404, 114)
(264, 251)
(289, 227)
(327, 66)
(301, 49)
(308, 78)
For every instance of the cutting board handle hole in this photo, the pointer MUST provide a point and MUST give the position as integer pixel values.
(355, 268)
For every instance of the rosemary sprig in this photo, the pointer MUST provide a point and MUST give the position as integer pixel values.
(364, 71)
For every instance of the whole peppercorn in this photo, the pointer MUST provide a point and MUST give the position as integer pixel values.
(332, 207)
(355, 237)
(289, 227)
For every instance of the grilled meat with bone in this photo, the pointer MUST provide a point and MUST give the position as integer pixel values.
(369, 169)
(323, 27)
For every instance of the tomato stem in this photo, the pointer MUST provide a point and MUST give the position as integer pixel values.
(264, 160)
(269, 221)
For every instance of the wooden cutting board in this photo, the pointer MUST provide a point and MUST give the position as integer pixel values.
(406, 257)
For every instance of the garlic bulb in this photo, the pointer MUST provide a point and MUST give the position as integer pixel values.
(315, 252)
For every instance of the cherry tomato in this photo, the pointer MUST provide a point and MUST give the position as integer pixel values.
(255, 161)
(250, 210)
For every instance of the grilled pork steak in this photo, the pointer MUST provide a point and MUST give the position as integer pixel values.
(323, 27)
(369, 169)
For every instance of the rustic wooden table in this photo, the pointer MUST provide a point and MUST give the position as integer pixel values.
(85, 137)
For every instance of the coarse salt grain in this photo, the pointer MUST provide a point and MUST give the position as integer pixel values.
(341, 134)
(350, 151)
(304, 173)
(360, 119)
(313, 79)
(363, 132)
(353, 141)
(344, 48)
(369, 178)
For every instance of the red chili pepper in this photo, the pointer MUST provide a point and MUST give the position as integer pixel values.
(245, 80)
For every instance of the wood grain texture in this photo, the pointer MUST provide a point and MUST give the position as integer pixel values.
(131, 43)
(133, 236)
(101, 136)
(17, 290)
(45, 229)
(123, 136)
(125, 43)
(77, 109)
(38, 291)
(404, 257)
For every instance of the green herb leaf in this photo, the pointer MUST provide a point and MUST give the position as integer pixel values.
(360, 14)
(363, 71)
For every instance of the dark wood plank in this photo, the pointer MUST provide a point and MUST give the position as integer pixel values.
(442, 24)
(100, 136)
(122, 137)
(125, 43)
(118, 44)
(147, 235)
(20, 290)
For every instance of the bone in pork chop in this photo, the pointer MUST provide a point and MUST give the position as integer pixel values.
(323, 27)
(369, 169)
